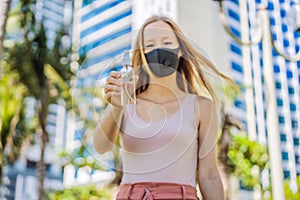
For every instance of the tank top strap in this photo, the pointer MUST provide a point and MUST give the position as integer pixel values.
(189, 108)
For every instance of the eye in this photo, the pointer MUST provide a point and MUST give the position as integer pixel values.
(167, 43)
(149, 45)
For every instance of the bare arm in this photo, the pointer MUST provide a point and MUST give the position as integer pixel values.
(107, 130)
(208, 174)
(210, 183)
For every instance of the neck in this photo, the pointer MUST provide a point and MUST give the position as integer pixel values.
(163, 89)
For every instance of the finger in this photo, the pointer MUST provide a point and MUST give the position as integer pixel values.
(115, 74)
(109, 87)
(113, 81)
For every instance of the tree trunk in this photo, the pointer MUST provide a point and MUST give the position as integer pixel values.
(41, 169)
(3, 27)
(41, 165)
(226, 169)
(43, 142)
(1, 166)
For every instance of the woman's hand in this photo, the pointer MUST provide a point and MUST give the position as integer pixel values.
(107, 130)
(113, 88)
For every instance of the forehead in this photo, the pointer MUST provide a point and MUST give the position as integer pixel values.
(158, 29)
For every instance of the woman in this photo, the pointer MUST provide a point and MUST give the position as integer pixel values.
(169, 136)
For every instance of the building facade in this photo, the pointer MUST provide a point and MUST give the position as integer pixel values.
(101, 32)
(247, 70)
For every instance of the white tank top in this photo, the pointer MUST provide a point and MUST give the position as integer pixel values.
(163, 150)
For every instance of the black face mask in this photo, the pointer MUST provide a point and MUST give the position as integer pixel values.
(163, 62)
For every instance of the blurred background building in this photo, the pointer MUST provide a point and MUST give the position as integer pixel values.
(101, 32)
(282, 15)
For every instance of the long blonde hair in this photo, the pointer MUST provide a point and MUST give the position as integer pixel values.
(192, 77)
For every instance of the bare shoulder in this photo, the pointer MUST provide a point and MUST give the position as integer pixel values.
(204, 103)
(205, 108)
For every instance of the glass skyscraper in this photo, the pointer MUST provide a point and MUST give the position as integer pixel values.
(105, 32)
(102, 31)
(286, 75)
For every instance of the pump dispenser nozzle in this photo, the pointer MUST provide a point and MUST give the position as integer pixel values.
(128, 78)
(126, 61)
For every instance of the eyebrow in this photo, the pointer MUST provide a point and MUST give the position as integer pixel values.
(151, 40)
(168, 37)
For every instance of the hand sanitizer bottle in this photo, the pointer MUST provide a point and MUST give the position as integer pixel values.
(128, 78)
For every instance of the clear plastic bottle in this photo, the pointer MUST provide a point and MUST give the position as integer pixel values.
(128, 78)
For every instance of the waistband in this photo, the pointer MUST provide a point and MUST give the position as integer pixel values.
(155, 191)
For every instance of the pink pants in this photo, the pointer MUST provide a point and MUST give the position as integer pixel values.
(155, 191)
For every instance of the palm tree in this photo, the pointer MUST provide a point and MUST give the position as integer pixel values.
(36, 65)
